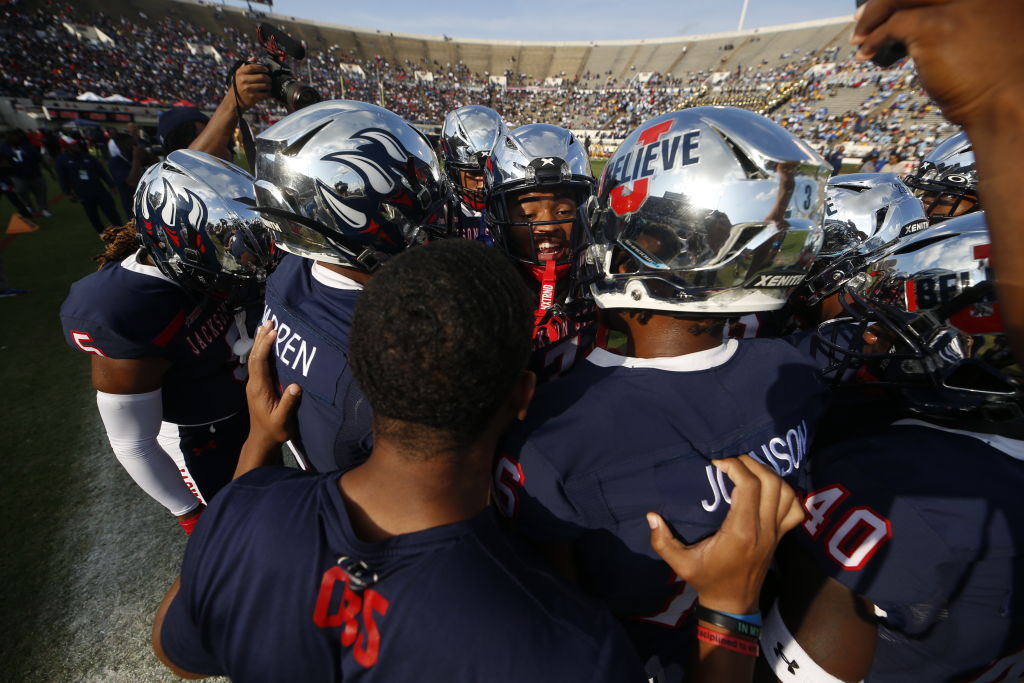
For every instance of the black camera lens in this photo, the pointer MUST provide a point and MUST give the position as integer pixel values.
(298, 95)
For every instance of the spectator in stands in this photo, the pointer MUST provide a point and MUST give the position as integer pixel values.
(836, 160)
(870, 163)
(26, 171)
(83, 179)
(894, 164)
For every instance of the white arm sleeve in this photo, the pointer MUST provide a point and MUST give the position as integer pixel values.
(132, 422)
(784, 655)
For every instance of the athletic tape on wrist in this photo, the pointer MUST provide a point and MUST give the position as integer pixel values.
(787, 659)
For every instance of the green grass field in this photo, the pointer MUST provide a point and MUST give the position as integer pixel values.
(86, 555)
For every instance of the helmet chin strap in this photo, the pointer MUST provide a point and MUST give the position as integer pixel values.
(543, 317)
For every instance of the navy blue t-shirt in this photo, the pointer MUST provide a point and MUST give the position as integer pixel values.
(25, 160)
(82, 175)
(619, 437)
(928, 526)
(130, 310)
(313, 320)
(268, 594)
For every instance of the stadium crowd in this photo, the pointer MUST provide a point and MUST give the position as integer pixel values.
(563, 423)
(164, 60)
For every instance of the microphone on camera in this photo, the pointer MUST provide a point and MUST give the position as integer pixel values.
(279, 42)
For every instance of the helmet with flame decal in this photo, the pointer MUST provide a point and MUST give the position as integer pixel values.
(348, 183)
(194, 215)
(706, 211)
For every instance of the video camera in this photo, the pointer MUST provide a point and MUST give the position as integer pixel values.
(284, 87)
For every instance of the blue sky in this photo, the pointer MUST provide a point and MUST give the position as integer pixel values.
(567, 20)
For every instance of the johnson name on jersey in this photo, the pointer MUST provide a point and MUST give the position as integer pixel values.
(619, 437)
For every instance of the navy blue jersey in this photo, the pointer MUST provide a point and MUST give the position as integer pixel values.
(562, 339)
(82, 175)
(471, 225)
(928, 526)
(619, 437)
(130, 310)
(313, 320)
(276, 586)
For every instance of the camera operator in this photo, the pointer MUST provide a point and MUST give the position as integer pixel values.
(250, 85)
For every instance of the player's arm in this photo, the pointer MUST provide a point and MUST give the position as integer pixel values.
(130, 402)
(271, 416)
(728, 568)
(819, 629)
(158, 626)
(970, 60)
(250, 85)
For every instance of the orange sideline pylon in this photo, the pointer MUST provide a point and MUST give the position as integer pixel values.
(18, 225)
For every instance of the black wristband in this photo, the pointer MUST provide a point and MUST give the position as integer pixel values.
(729, 623)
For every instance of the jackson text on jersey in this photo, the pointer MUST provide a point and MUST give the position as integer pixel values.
(210, 330)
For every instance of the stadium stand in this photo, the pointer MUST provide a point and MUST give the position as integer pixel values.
(154, 54)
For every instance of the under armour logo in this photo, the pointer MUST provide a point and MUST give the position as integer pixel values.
(547, 161)
(792, 666)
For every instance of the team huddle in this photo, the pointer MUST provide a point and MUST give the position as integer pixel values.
(716, 297)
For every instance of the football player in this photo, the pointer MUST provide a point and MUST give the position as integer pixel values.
(467, 137)
(539, 182)
(396, 569)
(977, 77)
(946, 179)
(865, 214)
(343, 186)
(165, 326)
(702, 215)
(911, 552)
(398, 542)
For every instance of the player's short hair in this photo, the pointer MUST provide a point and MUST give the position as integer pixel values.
(440, 336)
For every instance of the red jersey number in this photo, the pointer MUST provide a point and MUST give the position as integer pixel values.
(347, 613)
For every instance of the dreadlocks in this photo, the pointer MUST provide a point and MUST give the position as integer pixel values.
(120, 242)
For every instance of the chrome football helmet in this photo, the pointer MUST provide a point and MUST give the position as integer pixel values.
(194, 215)
(348, 183)
(706, 211)
(932, 300)
(537, 157)
(947, 180)
(467, 137)
(865, 214)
